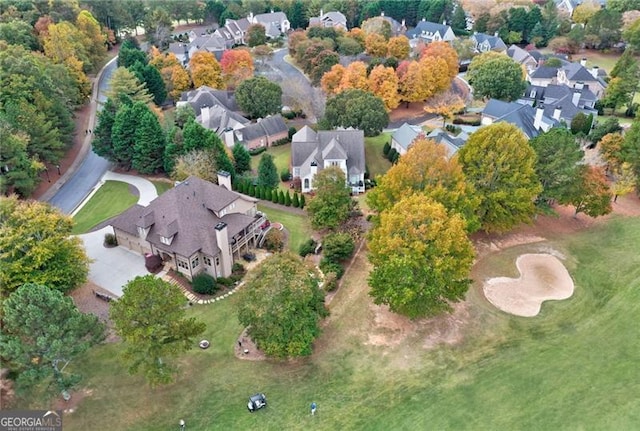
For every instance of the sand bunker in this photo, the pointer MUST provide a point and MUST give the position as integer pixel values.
(542, 277)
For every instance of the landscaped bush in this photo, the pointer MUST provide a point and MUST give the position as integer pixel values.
(330, 281)
(327, 266)
(238, 268)
(292, 131)
(279, 142)
(274, 240)
(204, 284)
(386, 149)
(392, 154)
(467, 122)
(307, 247)
(337, 246)
(256, 151)
(285, 175)
(223, 281)
(110, 240)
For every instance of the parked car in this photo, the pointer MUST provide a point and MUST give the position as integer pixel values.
(256, 402)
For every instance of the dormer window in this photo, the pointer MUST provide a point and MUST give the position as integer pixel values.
(166, 240)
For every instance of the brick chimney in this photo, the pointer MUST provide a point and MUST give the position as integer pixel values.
(224, 179)
(226, 258)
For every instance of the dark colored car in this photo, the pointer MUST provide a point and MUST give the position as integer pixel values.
(256, 402)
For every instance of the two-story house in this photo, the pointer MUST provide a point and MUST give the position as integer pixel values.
(313, 151)
(195, 227)
(484, 43)
(427, 32)
(333, 19)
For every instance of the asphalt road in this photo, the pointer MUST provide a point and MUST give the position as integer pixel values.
(92, 168)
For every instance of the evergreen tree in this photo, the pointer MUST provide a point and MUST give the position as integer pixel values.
(241, 158)
(267, 171)
(280, 197)
(267, 195)
(274, 196)
(302, 201)
(287, 199)
(149, 145)
(123, 135)
(296, 201)
(102, 143)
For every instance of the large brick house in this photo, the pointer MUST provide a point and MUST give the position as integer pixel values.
(195, 227)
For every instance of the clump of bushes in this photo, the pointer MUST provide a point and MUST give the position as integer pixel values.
(110, 240)
(274, 240)
(307, 247)
(258, 150)
(223, 281)
(328, 267)
(204, 284)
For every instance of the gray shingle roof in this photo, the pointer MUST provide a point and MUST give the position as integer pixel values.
(495, 42)
(427, 27)
(186, 211)
(207, 96)
(520, 115)
(308, 146)
(545, 72)
(269, 126)
(452, 143)
(405, 135)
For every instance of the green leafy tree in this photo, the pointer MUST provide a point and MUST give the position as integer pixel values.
(42, 332)
(605, 27)
(581, 123)
(421, 257)
(18, 172)
(337, 246)
(358, 109)
(256, 35)
(557, 166)
(426, 169)
(259, 97)
(632, 35)
(267, 171)
(152, 79)
(610, 125)
(282, 306)
(124, 82)
(630, 150)
(496, 76)
(332, 203)
(499, 162)
(150, 318)
(130, 53)
(241, 158)
(36, 246)
(19, 33)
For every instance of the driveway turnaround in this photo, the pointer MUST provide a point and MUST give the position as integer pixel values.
(145, 187)
(111, 268)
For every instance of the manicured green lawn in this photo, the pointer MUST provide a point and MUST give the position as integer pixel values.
(298, 226)
(162, 186)
(572, 367)
(110, 200)
(281, 157)
(376, 163)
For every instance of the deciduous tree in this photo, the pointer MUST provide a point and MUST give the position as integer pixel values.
(421, 257)
(256, 35)
(376, 45)
(200, 163)
(557, 166)
(446, 52)
(42, 332)
(358, 109)
(237, 65)
(445, 104)
(150, 318)
(205, 70)
(282, 306)
(383, 83)
(426, 169)
(331, 80)
(610, 147)
(354, 76)
(259, 97)
(499, 162)
(332, 203)
(434, 75)
(124, 82)
(398, 47)
(497, 76)
(591, 194)
(36, 246)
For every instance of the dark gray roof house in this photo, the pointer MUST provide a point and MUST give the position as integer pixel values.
(428, 32)
(484, 42)
(561, 102)
(531, 121)
(263, 132)
(529, 59)
(207, 96)
(333, 19)
(313, 151)
(197, 226)
(452, 143)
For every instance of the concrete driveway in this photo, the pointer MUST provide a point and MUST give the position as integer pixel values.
(111, 268)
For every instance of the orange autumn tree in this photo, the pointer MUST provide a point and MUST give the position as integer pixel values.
(237, 65)
(354, 77)
(398, 47)
(358, 35)
(445, 104)
(434, 73)
(411, 85)
(176, 78)
(331, 80)
(383, 83)
(205, 70)
(446, 52)
(376, 45)
(591, 193)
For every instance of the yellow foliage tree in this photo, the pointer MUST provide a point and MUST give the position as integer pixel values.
(426, 169)
(610, 146)
(357, 34)
(398, 47)
(411, 86)
(355, 76)
(447, 53)
(180, 81)
(376, 45)
(205, 70)
(383, 83)
(94, 38)
(331, 80)
(445, 104)
(434, 74)
(584, 11)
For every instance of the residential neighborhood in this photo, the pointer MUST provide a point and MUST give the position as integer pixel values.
(348, 209)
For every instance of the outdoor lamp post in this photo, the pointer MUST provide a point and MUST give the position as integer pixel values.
(58, 168)
(182, 424)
